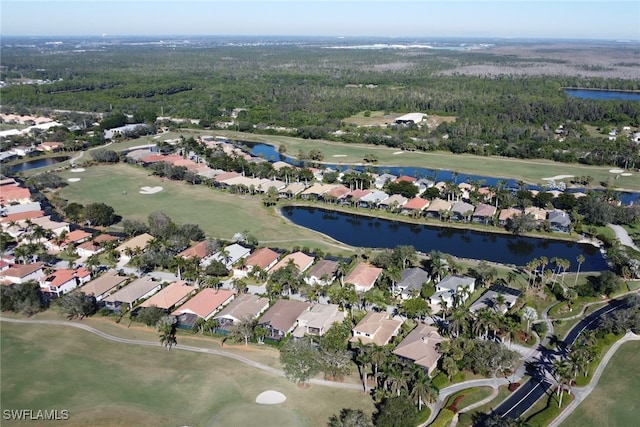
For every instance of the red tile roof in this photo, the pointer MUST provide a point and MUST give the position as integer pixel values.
(417, 203)
(206, 302)
(170, 296)
(363, 276)
(198, 250)
(262, 258)
(406, 178)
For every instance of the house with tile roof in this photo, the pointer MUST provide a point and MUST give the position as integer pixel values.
(488, 299)
(200, 250)
(102, 286)
(206, 303)
(363, 276)
(243, 306)
(417, 204)
(322, 273)
(301, 260)
(135, 291)
(281, 318)
(376, 328)
(462, 211)
(437, 206)
(317, 319)
(20, 273)
(171, 296)
(411, 282)
(138, 242)
(484, 213)
(450, 288)
(63, 281)
(230, 254)
(395, 201)
(421, 347)
(56, 227)
(559, 220)
(506, 215)
(263, 258)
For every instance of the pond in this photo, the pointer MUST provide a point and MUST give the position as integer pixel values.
(364, 231)
(269, 153)
(603, 95)
(38, 163)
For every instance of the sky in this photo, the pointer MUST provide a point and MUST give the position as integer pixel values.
(571, 19)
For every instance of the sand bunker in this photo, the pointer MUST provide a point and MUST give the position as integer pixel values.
(76, 170)
(339, 155)
(270, 397)
(626, 174)
(616, 170)
(553, 178)
(73, 179)
(150, 190)
(398, 152)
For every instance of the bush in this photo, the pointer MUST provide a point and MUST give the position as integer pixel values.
(443, 419)
(540, 328)
(440, 380)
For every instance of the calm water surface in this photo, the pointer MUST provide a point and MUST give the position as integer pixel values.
(357, 230)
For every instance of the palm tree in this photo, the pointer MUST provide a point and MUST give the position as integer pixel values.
(459, 321)
(579, 260)
(363, 359)
(485, 320)
(422, 389)
(378, 354)
(398, 381)
(341, 270)
(92, 262)
(562, 371)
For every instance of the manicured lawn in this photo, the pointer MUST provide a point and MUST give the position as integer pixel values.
(614, 401)
(104, 383)
(218, 213)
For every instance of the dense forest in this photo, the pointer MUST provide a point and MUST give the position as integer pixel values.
(308, 89)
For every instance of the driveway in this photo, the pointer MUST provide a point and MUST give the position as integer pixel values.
(623, 236)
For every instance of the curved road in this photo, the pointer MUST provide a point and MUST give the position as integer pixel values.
(194, 349)
(538, 386)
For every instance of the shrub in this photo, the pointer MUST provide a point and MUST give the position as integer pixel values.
(443, 419)
(440, 380)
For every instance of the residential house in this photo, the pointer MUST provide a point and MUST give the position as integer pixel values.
(461, 211)
(489, 299)
(55, 227)
(322, 273)
(559, 220)
(135, 291)
(172, 296)
(354, 197)
(383, 179)
(49, 146)
(21, 273)
(484, 213)
(263, 258)
(63, 281)
(74, 237)
(205, 304)
(417, 204)
(243, 306)
(437, 207)
(137, 243)
(337, 193)
(101, 286)
(373, 199)
(301, 260)
(406, 178)
(292, 190)
(12, 194)
(451, 289)
(421, 347)
(395, 201)
(199, 250)
(230, 254)
(316, 191)
(411, 281)
(22, 207)
(281, 318)
(317, 319)
(376, 328)
(539, 214)
(508, 214)
(95, 245)
(363, 277)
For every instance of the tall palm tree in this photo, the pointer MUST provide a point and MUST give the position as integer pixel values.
(378, 354)
(579, 260)
(562, 372)
(363, 359)
(422, 389)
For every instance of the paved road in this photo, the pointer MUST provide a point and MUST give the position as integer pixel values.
(180, 347)
(539, 385)
(623, 236)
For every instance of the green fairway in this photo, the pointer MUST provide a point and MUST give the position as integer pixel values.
(102, 383)
(218, 213)
(614, 401)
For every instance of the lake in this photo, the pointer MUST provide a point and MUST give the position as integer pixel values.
(269, 153)
(38, 163)
(603, 95)
(363, 231)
